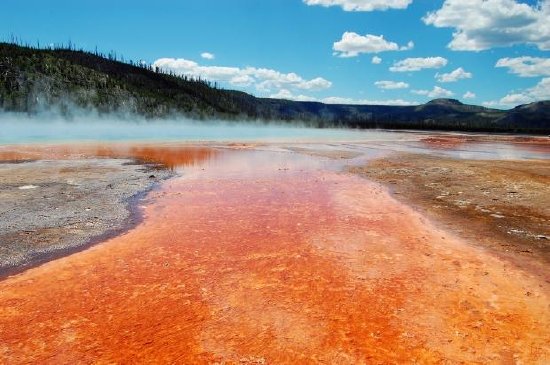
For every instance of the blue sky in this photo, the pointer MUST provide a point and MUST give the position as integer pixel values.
(352, 51)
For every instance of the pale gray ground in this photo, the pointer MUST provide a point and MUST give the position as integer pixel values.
(52, 206)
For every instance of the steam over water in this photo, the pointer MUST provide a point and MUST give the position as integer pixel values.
(20, 129)
(17, 129)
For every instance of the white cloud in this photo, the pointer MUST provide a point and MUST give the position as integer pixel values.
(287, 94)
(491, 104)
(208, 56)
(515, 99)
(317, 83)
(484, 24)
(391, 85)
(526, 66)
(453, 76)
(262, 79)
(340, 100)
(540, 91)
(376, 60)
(353, 44)
(409, 46)
(436, 92)
(362, 5)
(469, 95)
(417, 64)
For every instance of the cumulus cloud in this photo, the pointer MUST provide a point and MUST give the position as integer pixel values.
(353, 44)
(469, 95)
(287, 94)
(341, 100)
(491, 104)
(526, 66)
(262, 79)
(541, 91)
(417, 64)
(317, 83)
(391, 85)
(436, 92)
(362, 5)
(484, 24)
(453, 76)
(376, 60)
(208, 56)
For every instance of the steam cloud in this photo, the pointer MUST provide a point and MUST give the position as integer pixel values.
(16, 128)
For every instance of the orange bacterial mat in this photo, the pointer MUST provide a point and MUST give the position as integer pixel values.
(265, 257)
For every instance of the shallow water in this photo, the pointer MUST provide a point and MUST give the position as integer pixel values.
(497, 149)
(267, 251)
(19, 130)
(263, 255)
(365, 145)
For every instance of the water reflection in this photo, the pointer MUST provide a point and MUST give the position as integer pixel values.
(474, 149)
(537, 148)
(273, 259)
(443, 142)
(171, 157)
(256, 164)
(184, 155)
(486, 146)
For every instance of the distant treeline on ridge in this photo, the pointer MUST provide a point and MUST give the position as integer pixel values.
(34, 79)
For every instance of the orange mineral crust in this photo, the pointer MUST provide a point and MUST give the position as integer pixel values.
(166, 155)
(265, 257)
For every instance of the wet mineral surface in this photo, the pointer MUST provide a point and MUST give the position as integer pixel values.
(50, 207)
(502, 205)
(270, 256)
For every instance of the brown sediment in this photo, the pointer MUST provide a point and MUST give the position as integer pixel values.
(452, 138)
(446, 141)
(502, 205)
(277, 266)
(453, 141)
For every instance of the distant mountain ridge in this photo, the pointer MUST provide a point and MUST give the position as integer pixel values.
(34, 80)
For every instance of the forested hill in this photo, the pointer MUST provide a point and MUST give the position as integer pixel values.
(64, 80)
